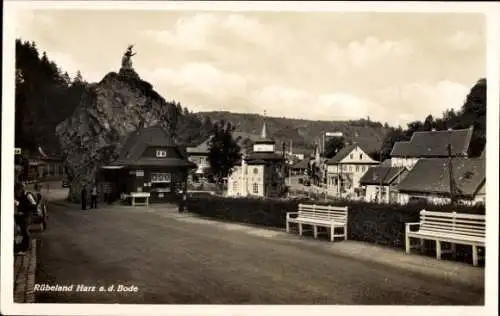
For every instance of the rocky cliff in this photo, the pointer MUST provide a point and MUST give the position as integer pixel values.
(111, 109)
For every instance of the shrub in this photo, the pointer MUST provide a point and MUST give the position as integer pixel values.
(382, 224)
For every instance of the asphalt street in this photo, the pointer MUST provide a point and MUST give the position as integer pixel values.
(165, 258)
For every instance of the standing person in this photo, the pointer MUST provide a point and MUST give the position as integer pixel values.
(93, 197)
(25, 206)
(84, 198)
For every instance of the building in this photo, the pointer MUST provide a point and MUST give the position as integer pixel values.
(431, 144)
(300, 168)
(199, 154)
(380, 183)
(260, 173)
(149, 162)
(429, 180)
(345, 170)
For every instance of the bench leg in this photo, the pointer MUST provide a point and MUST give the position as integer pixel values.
(287, 227)
(300, 229)
(407, 244)
(475, 259)
(133, 201)
(454, 251)
(438, 249)
(332, 233)
(345, 232)
(315, 231)
(422, 245)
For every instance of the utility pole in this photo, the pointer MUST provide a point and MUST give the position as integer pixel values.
(450, 175)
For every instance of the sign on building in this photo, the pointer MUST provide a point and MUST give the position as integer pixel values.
(17, 151)
(334, 134)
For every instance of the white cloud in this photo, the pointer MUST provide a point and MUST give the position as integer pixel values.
(461, 40)
(190, 33)
(200, 78)
(369, 51)
(197, 32)
(414, 101)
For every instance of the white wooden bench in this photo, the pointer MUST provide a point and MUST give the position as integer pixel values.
(144, 196)
(451, 228)
(331, 217)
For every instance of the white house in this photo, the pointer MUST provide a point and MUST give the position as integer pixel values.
(380, 183)
(261, 172)
(346, 169)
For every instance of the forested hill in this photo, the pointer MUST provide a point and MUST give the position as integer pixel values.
(303, 133)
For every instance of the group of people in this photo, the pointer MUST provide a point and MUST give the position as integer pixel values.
(24, 206)
(93, 197)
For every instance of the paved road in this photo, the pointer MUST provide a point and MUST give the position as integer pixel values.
(177, 260)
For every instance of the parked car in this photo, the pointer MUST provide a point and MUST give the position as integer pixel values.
(39, 216)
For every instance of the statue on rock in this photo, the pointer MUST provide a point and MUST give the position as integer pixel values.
(127, 68)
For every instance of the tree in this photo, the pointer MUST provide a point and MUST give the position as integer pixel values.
(333, 145)
(428, 123)
(78, 77)
(224, 151)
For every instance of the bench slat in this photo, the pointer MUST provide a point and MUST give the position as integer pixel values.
(456, 215)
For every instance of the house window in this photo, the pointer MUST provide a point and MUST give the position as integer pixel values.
(350, 168)
(161, 153)
(255, 188)
(357, 168)
(363, 168)
(235, 186)
(255, 170)
(351, 155)
(360, 156)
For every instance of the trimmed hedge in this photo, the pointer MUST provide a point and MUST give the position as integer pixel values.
(382, 224)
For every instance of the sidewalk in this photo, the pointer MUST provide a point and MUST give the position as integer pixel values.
(24, 275)
(426, 266)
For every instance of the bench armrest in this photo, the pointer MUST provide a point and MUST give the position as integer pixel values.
(409, 225)
(291, 213)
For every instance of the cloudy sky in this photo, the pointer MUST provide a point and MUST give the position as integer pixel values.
(392, 67)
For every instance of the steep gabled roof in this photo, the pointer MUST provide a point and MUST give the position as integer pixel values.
(137, 142)
(381, 175)
(434, 144)
(343, 153)
(431, 175)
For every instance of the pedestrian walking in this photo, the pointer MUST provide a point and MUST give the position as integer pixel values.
(25, 206)
(93, 197)
(84, 198)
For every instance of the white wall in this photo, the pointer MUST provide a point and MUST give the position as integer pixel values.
(263, 147)
(403, 162)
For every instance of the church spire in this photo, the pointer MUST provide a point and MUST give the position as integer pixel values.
(263, 134)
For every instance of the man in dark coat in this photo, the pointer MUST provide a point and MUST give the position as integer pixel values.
(84, 198)
(25, 206)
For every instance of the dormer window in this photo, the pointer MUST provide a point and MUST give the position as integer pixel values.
(360, 156)
(161, 153)
(352, 156)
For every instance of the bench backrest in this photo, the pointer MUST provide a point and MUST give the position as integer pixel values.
(453, 223)
(323, 212)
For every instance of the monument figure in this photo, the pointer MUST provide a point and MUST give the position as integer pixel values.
(127, 58)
